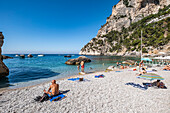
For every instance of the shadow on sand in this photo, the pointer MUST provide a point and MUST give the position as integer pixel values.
(63, 92)
(4, 82)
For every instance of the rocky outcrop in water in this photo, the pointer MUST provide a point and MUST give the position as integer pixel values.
(4, 71)
(22, 56)
(6, 57)
(30, 56)
(77, 60)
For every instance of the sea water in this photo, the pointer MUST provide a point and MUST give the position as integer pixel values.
(31, 71)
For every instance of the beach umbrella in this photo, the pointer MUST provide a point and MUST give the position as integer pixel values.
(146, 59)
(150, 76)
(161, 53)
(125, 62)
(129, 62)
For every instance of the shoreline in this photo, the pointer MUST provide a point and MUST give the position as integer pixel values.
(6, 89)
(97, 95)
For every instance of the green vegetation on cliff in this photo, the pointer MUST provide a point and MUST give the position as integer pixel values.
(156, 33)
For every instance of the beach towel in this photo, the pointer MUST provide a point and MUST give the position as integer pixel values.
(61, 96)
(148, 71)
(134, 69)
(166, 70)
(78, 80)
(73, 79)
(99, 76)
(118, 71)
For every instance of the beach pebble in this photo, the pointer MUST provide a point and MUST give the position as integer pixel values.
(113, 93)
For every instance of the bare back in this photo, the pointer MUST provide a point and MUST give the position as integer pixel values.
(54, 89)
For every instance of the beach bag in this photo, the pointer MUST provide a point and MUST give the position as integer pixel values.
(80, 79)
(134, 69)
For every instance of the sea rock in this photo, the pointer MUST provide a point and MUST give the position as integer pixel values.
(6, 57)
(22, 56)
(77, 60)
(30, 56)
(4, 71)
(67, 56)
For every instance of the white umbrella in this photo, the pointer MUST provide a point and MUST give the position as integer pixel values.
(161, 53)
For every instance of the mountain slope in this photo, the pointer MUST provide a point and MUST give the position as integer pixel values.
(122, 31)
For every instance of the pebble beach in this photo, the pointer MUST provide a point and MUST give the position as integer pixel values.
(94, 95)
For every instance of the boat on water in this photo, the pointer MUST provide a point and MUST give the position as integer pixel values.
(17, 55)
(41, 55)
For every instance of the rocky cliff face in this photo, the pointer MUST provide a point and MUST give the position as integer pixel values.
(4, 71)
(123, 15)
(130, 11)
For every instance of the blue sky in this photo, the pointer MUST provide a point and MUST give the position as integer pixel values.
(51, 26)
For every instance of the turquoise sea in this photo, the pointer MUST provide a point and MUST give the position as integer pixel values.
(36, 70)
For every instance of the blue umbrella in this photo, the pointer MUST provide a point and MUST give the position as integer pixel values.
(146, 59)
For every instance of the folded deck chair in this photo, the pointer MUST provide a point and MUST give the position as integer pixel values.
(55, 97)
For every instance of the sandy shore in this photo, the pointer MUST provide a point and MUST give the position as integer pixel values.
(96, 95)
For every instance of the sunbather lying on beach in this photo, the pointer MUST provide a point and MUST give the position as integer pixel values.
(160, 84)
(54, 91)
(121, 67)
(167, 67)
(157, 83)
(142, 72)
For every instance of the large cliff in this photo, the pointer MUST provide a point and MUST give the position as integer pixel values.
(4, 71)
(121, 30)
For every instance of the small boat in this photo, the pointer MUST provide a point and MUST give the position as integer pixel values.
(16, 55)
(67, 56)
(41, 55)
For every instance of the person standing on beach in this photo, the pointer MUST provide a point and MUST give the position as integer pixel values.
(82, 66)
(117, 64)
(141, 64)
